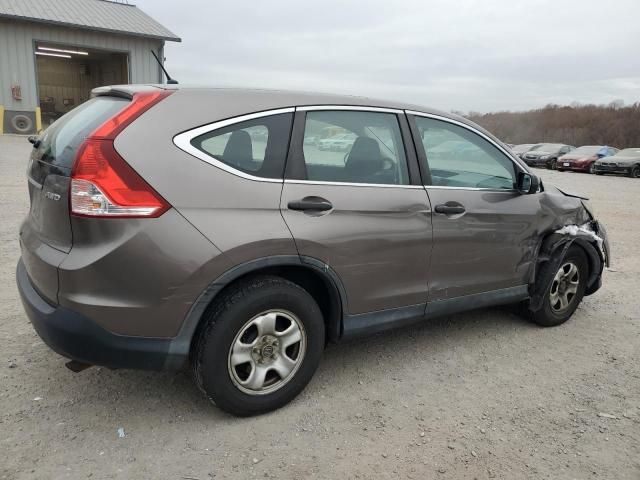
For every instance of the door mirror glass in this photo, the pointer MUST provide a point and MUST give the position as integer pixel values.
(528, 183)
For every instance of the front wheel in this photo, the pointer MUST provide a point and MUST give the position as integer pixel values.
(592, 168)
(260, 346)
(565, 292)
(635, 172)
(553, 165)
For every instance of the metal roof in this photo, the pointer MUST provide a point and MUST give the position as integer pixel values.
(100, 15)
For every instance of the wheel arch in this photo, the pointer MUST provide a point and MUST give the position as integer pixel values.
(311, 274)
(551, 251)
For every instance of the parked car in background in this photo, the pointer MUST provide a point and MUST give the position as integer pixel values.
(519, 150)
(244, 269)
(546, 154)
(626, 161)
(337, 143)
(583, 159)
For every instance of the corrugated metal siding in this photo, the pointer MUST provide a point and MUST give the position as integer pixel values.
(17, 64)
(94, 14)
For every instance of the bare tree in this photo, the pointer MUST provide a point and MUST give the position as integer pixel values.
(614, 124)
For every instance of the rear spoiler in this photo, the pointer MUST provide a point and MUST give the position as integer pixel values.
(126, 91)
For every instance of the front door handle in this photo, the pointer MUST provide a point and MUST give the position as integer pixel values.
(450, 208)
(316, 204)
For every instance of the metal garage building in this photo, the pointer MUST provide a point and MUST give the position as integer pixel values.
(53, 52)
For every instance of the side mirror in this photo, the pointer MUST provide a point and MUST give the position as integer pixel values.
(527, 183)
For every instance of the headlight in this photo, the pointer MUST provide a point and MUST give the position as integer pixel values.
(544, 157)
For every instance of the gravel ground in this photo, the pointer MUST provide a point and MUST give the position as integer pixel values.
(478, 395)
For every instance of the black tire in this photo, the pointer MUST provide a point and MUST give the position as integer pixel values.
(592, 168)
(552, 165)
(635, 172)
(560, 170)
(227, 316)
(547, 316)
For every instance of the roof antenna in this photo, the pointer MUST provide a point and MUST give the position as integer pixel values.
(170, 81)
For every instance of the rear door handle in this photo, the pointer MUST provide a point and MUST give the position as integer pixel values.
(310, 203)
(450, 208)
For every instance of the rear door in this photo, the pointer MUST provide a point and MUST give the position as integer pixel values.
(46, 234)
(484, 230)
(360, 208)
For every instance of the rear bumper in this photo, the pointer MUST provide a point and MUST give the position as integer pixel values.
(77, 337)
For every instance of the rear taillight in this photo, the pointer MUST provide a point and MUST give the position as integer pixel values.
(102, 183)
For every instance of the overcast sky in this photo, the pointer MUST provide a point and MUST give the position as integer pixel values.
(481, 55)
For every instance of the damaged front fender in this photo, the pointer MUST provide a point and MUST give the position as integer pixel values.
(590, 235)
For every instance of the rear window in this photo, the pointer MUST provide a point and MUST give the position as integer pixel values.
(256, 147)
(60, 142)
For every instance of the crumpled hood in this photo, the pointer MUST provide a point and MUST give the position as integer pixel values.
(562, 208)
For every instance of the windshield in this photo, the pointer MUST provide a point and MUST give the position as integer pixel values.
(59, 143)
(589, 150)
(630, 152)
(525, 147)
(547, 147)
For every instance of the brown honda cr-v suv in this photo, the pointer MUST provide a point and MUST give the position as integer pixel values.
(176, 226)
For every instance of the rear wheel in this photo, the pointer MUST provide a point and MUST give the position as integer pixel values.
(260, 346)
(635, 172)
(565, 291)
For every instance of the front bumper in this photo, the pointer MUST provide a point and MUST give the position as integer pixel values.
(575, 167)
(611, 169)
(77, 337)
(535, 162)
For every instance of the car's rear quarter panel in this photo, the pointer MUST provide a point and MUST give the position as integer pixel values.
(241, 217)
(136, 276)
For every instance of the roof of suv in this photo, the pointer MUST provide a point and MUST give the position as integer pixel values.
(288, 98)
(236, 101)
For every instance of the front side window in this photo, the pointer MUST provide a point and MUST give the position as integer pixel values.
(458, 157)
(256, 147)
(354, 147)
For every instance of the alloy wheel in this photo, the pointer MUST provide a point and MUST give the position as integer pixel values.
(564, 287)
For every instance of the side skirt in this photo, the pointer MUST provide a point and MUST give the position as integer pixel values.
(373, 322)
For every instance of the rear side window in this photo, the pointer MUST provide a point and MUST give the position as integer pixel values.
(354, 147)
(256, 147)
(60, 142)
(457, 157)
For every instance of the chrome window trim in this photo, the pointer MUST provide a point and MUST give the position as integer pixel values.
(357, 108)
(350, 184)
(497, 190)
(510, 156)
(183, 142)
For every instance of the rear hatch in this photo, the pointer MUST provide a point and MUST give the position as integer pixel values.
(46, 234)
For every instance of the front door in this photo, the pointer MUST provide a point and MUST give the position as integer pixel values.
(484, 230)
(353, 200)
